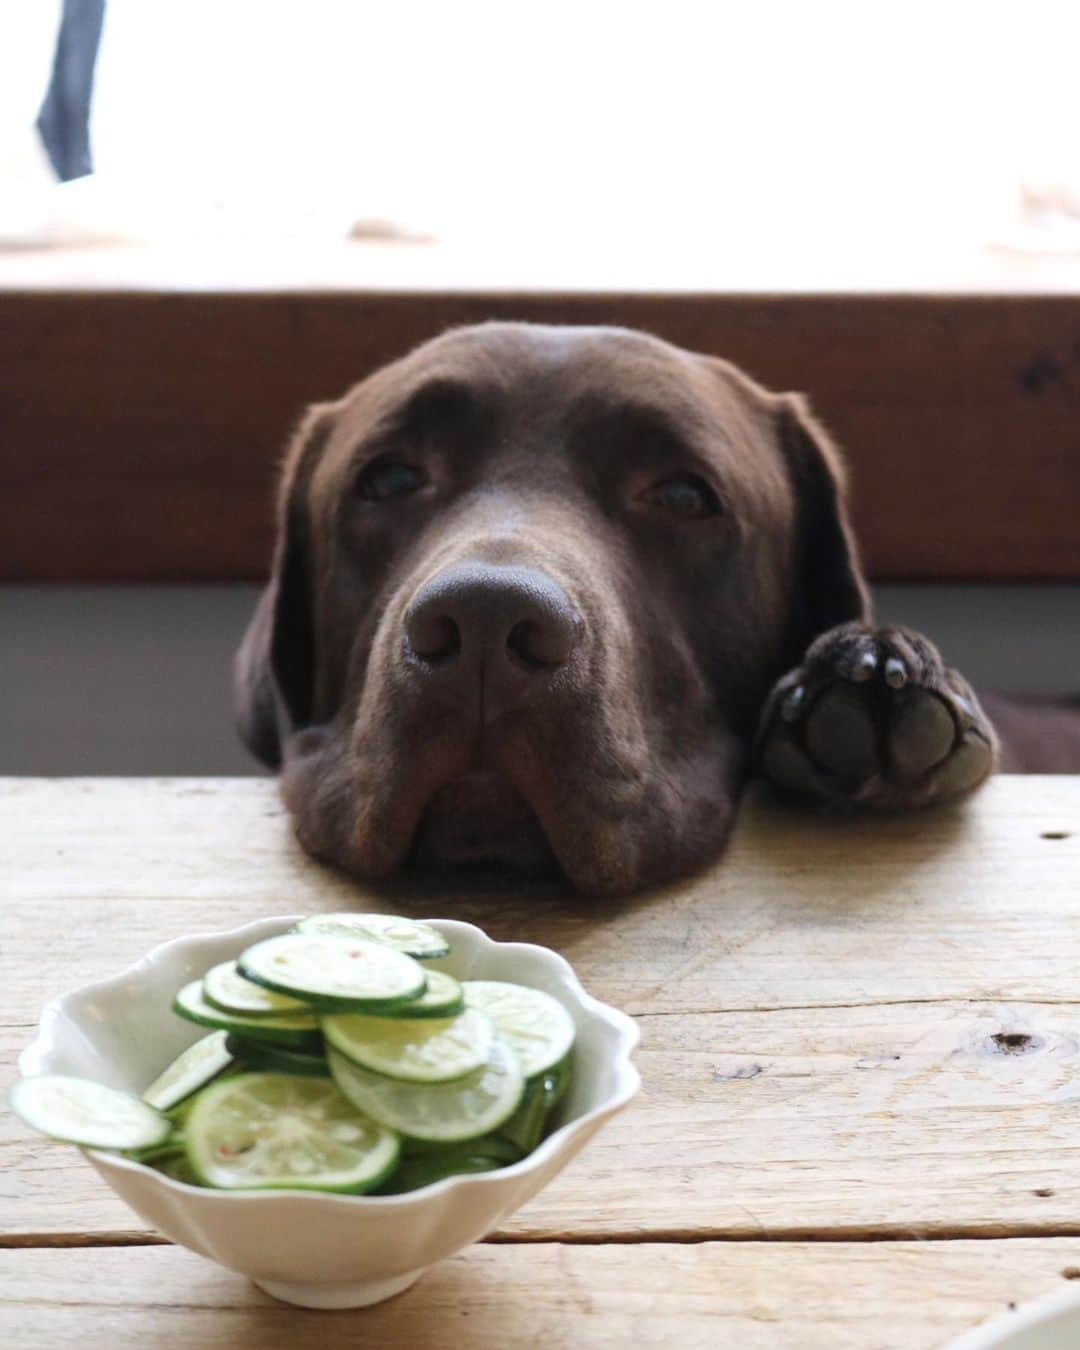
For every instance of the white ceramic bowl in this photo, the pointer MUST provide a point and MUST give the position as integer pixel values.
(326, 1251)
(1051, 1323)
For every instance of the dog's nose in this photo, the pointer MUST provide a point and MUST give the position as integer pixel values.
(513, 625)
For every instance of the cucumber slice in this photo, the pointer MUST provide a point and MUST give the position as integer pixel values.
(276, 1058)
(527, 1125)
(494, 1146)
(300, 1031)
(179, 1113)
(406, 935)
(226, 988)
(423, 1169)
(275, 1130)
(440, 1112)
(188, 1072)
(78, 1111)
(173, 1147)
(413, 1050)
(178, 1168)
(443, 997)
(537, 1026)
(334, 973)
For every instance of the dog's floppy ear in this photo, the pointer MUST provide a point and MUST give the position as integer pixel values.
(274, 670)
(829, 588)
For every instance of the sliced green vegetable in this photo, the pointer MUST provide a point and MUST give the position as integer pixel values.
(79, 1111)
(189, 1071)
(406, 935)
(298, 1030)
(443, 997)
(527, 1126)
(281, 1131)
(334, 973)
(226, 988)
(441, 1112)
(537, 1026)
(253, 1054)
(416, 1050)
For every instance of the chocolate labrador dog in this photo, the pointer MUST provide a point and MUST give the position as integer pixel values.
(543, 596)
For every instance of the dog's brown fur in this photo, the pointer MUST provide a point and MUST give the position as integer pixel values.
(540, 448)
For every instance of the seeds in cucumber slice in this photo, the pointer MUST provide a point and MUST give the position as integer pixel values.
(413, 1050)
(537, 1026)
(334, 973)
(253, 1054)
(440, 1112)
(276, 1130)
(443, 997)
(406, 935)
(298, 1030)
(190, 1071)
(226, 988)
(79, 1111)
(527, 1126)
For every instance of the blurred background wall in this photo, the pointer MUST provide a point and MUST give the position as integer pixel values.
(135, 680)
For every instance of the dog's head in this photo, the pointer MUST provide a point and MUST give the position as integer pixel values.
(531, 586)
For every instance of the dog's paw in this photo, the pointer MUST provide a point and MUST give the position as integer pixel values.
(873, 717)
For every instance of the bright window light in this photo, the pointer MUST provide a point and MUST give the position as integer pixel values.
(667, 125)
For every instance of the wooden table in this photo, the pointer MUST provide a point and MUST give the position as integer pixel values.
(861, 1051)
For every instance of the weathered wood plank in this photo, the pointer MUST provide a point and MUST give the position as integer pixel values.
(743, 1296)
(818, 1039)
(908, 1120)
(971, 902)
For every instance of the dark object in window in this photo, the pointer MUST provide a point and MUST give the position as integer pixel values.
(64, 119)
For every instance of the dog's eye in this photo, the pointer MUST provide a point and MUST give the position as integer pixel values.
(685, 495)
(385, 478)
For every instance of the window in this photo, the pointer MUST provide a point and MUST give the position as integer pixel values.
(768, 132)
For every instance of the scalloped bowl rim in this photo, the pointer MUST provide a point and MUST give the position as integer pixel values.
(627, 1078)
(1053, 1312)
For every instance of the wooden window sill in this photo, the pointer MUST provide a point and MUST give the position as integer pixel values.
(145, 393)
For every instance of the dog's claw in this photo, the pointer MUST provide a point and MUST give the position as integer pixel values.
(896, 675)
(791, 708)
(856, 660)
(836, 732)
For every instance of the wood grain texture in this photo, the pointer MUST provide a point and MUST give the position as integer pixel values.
(804, 910)
(761, 1296)
(819, 1048)
(141, 428)
(851, 1030)
(905, 1121)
